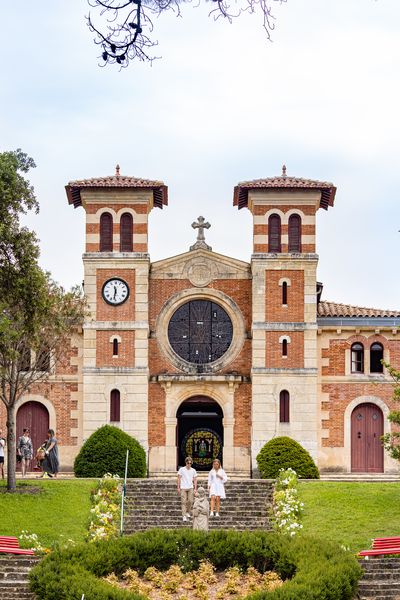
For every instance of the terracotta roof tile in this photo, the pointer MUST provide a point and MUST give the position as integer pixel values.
(160, 190)
(327, 189)
(332, 309)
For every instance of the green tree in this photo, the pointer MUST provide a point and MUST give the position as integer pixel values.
(37, 317)
(391, 441)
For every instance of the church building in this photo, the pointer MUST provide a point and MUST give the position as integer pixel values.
(205, 355)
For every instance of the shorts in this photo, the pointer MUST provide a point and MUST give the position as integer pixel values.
(1, 459)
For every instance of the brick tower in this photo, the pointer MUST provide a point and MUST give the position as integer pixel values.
(116, 276)
(284, 320)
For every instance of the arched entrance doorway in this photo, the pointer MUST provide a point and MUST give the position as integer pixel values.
(366, 443)
(200, 432)
(35, 416)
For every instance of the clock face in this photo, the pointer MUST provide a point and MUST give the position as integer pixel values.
(115, 291)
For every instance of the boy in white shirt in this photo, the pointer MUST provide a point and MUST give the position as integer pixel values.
(187, 487)
(2, 444)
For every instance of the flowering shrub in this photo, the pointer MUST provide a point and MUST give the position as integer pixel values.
(31, 540)
(106, 511)
(200, 584)
(286, 507)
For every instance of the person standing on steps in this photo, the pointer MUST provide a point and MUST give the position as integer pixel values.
(216, 486)
(187, 487)
(25, 449)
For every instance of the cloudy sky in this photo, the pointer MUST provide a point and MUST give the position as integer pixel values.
(223, 105)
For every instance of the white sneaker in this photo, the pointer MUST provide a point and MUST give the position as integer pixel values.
(184, 519)
(188, 516)
(217, 514)
(211, 514)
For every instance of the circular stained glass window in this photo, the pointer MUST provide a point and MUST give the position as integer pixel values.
(200, 331)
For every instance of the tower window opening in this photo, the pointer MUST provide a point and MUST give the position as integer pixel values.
(126, 233)
(284, 292)
(106, 233)
(115, 347)
(294, 233)
(115, 406)
(284, 401)
(274, 233)
(284, 347)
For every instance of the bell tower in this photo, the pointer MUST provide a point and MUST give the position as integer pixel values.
(116, 281)
(284, 318)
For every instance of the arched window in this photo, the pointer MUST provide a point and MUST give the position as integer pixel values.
(284, 347)
(284, 292)
(126, 233)
(284, 401)
(115, 406)
(106, 233)
(294, 233)
(357, 358)
(115, 347)
(375, 358)
(274, 233)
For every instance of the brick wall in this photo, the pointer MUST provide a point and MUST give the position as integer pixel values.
(156, 415)
(123, 312)
(104, 348)
(340, 395)
(242, 408)
(275, 311)
(295, 350)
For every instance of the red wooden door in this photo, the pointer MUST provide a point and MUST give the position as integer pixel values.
(35, 417)
(366, 444)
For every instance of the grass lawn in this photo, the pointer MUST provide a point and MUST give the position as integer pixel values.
(351, 513)
(59, 512)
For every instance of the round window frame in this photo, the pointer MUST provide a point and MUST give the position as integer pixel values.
(232, 310)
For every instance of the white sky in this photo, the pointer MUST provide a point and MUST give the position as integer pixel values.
(223, 105)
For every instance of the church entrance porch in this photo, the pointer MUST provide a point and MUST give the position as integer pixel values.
(199, 432)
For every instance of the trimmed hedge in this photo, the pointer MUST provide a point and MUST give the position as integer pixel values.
(105, 452)
(282, 453)
(312, 569)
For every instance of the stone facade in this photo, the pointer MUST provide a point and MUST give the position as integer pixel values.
(283, 338)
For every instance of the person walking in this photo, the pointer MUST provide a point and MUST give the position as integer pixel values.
(187, 487)
(25, 449)
(216, 487)
(50, 464)
(2, 444)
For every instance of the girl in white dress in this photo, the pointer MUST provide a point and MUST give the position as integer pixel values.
(216, 480)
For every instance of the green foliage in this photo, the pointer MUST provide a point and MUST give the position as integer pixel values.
(105, 452)
(314, 569)
(284, 453)
(391, 441)
(35, 313)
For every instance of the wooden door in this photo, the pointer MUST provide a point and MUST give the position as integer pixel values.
(35, 416)
(366, 443)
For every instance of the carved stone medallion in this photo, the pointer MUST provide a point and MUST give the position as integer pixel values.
(200, 274)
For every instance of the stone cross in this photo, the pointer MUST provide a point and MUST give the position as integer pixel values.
(201, 226)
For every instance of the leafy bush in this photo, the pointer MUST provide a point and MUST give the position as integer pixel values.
(313, 569)
(105, 452)
(284, 453)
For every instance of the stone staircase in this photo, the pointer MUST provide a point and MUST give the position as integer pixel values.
(155, 503)
(14, 582)
(381, 579)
